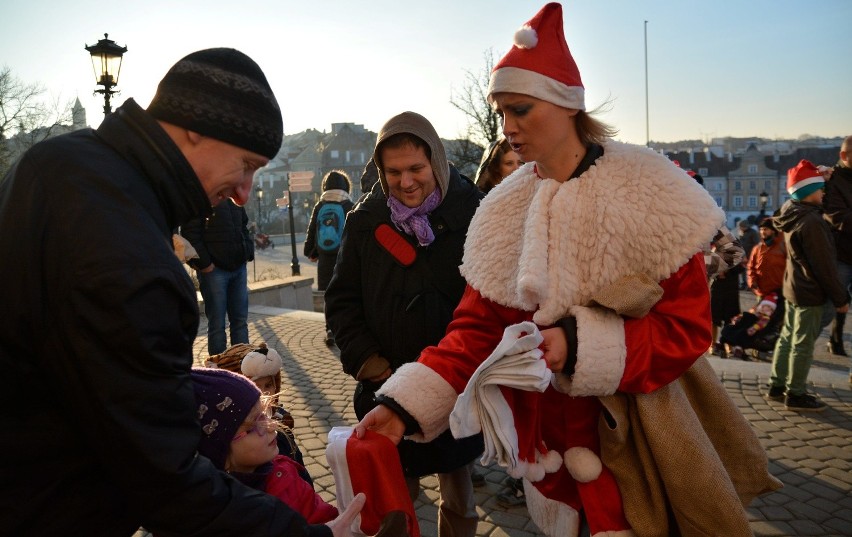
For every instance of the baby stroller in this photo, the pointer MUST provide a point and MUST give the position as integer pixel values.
(753, 333)
(262, 241)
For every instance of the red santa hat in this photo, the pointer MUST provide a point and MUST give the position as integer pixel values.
(539, 63)
(803, 180)
(370, 465)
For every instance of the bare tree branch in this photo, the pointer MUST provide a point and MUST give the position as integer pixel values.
(27, 116)
(472, 101)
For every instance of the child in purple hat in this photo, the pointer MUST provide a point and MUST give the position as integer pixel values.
(237, 435)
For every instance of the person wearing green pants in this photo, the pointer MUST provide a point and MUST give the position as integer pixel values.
(810, 279)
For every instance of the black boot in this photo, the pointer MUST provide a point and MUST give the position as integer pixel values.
(835, 342)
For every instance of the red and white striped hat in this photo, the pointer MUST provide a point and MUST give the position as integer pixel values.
(539, 63)
(803, 180)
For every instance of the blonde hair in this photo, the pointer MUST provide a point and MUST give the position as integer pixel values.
(591, 130)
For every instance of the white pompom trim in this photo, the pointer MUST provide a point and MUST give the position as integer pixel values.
(526, 37)
(551, 461)
(583, 465)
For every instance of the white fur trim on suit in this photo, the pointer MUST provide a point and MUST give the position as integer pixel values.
(554, 519)
(583, 464)
(633, 212)
(430, 402)
(601, 354)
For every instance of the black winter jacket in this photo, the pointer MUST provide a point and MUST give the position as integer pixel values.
(810, 278)
(375, 304)
(222, 238)
(99, 316)
(837, 204)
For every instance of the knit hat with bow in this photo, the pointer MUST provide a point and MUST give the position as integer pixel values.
(224, 401)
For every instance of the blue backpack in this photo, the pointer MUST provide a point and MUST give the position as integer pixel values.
(330, 220)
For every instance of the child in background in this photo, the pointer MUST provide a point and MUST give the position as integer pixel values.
(236, 437)
(745, 327)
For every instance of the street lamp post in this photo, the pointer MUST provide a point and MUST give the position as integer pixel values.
(258, 195)
(764, 198)
(106, 62)
(295, 269)
(258, 192)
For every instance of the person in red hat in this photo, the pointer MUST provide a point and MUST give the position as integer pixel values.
(810, 280)
(599, 244)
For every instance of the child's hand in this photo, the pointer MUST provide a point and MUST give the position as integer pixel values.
(342, 525)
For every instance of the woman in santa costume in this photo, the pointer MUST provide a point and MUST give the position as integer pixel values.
(599, 244)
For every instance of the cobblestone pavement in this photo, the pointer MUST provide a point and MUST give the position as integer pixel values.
(810, 453)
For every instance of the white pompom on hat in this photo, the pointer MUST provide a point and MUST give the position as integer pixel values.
(258, 364)
(540, 64)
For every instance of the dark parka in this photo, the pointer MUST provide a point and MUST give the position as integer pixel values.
(837, 205)
(810, 278)
(221, 238)
(99, 316)
(375, 304)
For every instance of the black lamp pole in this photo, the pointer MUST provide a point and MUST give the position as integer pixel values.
(106, 62)
(764, 197)
(295, 269)
(258, 195)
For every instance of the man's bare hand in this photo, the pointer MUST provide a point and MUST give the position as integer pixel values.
(383, 421)
(342, 525)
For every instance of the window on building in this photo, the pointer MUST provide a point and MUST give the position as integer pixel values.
(767, 185)
(738, 185)
(752, 168)
(335, 153)
(703, 172)
(347, 155)
(752, 201)
(718, 200)
(752, 185)
(738, 202)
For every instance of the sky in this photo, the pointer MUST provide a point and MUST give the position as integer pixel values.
(764, 68)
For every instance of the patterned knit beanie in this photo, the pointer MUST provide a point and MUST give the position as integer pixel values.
(223, 94)
(224, 400)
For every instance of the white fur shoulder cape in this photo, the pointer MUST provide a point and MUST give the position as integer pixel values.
(542, 245)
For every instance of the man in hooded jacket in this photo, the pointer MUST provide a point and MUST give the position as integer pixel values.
(395, 287)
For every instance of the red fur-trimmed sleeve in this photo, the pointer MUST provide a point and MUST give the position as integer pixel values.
(475, 331)
(665, 343)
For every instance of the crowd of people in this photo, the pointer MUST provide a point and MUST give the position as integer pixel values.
(430, 279)
(799, 274)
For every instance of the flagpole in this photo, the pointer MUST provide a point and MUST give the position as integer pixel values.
(647, 120)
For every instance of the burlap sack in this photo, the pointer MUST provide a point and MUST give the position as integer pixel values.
(686, 461)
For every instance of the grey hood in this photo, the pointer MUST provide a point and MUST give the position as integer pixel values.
(413, 123)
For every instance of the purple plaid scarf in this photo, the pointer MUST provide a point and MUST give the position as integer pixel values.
(415, 221)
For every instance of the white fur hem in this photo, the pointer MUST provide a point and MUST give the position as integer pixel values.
(554, 519)
(601, 354)
(425, 395)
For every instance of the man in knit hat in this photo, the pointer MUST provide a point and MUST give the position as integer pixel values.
(395, 286)
(105, 314)
(810, 280)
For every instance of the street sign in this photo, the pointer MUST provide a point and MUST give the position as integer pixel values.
(301, 181)
(301, 176)
(284, 201)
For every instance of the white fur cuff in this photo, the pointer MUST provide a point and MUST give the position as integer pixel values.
(601, 353)
(425, 395)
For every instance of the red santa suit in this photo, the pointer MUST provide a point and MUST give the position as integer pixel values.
(542, 250)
